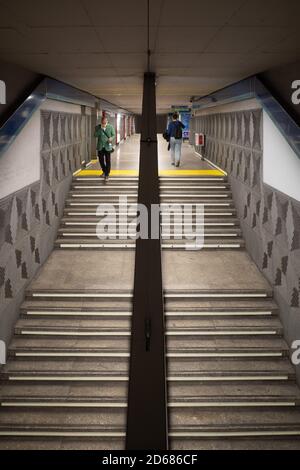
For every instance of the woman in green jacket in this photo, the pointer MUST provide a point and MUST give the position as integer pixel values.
(105, 134)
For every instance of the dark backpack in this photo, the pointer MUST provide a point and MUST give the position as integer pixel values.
(166, 136)
(178, 130)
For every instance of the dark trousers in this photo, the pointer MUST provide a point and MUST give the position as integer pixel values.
(104, 160)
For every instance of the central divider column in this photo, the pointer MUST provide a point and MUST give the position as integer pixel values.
(147, 407)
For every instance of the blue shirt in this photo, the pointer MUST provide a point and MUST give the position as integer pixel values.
(172, 127)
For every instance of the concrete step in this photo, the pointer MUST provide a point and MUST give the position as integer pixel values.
(216, 200)
(124, 230)
(65, 354)
(56, 415)
(88, 319)
(87, 218)
(207, 305)
(198, 295)
(170, 191)
(87, 243)
(194, 191)
(215, 352)
(61, 441)
(222, 323)
(102, 434)
(79, 244)
(76, 386)
(72, 331)
(243, 436)
(253, 415)
(225, 342)
(192, 178)
(101, 185)
(217, 379)
(246, 386)
(176, 405)
(89, 295)
(222, 331)
(236, 443)
(55, 360)
(65, 377)
(117, 361)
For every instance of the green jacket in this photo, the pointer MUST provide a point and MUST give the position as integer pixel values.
(102, 138)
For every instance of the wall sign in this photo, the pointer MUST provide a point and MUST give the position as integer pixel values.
(199, 139)
(2, 92)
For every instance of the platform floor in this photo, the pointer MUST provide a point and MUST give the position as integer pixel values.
(125, 160)
(216, 270)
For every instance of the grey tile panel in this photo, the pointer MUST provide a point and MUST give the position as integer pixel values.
(270, 220)
(29, 218)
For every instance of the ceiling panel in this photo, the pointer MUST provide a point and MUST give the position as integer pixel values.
(122, 13)
(184, 39)
(197, 46)
(290, 44)
(60, 62)
(268, 13)
(6, 19)
(68, 39)
(129, 60)
(245, 39)
(175, 60)
(48, 13)
(124, 38)
(199, 12)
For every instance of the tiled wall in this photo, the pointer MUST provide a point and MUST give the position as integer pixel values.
(29, 218)
(269, 219)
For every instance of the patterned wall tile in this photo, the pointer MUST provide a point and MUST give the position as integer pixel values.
(29, 218)
(270, 220)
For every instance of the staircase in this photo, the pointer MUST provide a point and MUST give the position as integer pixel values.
(65, 383)
(230, 382)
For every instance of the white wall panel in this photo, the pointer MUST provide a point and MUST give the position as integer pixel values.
(281, 166)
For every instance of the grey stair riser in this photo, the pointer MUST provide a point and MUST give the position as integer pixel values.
(234, 415)
(238, 389)
(233, 364)
(73, 364)
(131, 189)
(77, 389)
(89, 296)
(75, 417)
(165, 235)
(80, 441)
(178, 296)
(235, 382)
(219, 442)
(92, 342)
(85, 246)
(29, 321)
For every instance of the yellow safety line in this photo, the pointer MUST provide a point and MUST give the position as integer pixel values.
(191, 173)
(113, 173)
(162, 173)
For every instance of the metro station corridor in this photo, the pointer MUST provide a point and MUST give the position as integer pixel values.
(156, 307)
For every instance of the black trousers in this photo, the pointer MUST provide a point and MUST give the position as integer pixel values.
(104, 160)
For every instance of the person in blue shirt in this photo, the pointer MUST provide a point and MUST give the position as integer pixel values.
(175, 134)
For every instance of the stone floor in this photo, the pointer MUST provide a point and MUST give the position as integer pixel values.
(126, 156)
